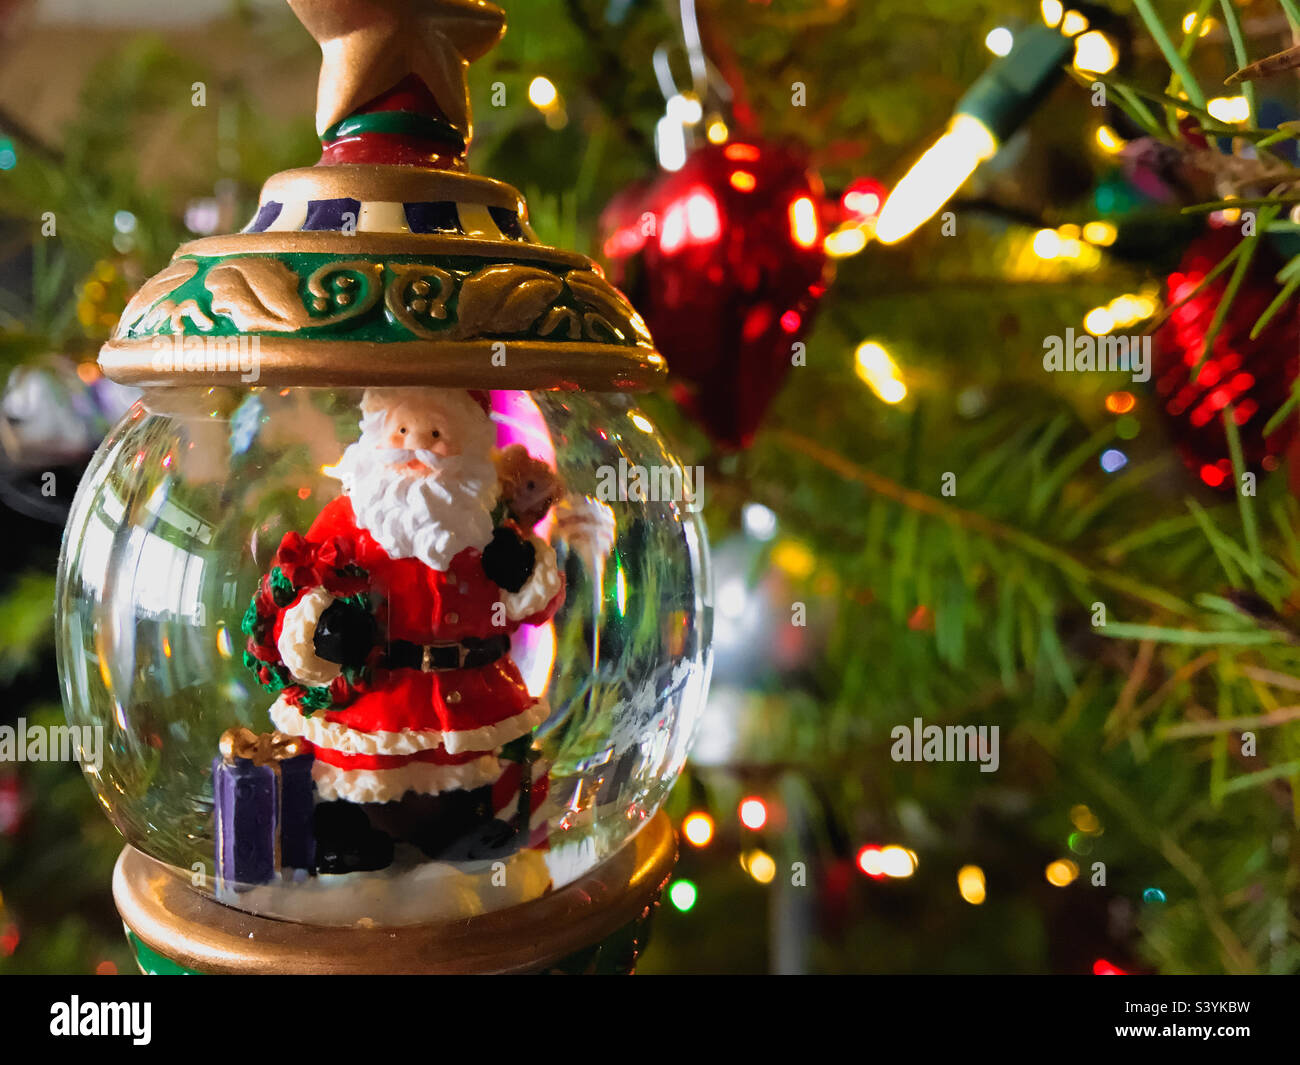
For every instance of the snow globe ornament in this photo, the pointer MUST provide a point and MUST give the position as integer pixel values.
(389, 603)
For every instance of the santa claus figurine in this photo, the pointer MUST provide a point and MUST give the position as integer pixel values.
(385, 631)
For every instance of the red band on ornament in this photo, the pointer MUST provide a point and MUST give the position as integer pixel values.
(390, 149)
(410, 96)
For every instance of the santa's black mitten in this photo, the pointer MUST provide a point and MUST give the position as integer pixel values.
(509, 559)
(345, 634)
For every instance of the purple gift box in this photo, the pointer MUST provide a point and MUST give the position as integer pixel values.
(262, 789)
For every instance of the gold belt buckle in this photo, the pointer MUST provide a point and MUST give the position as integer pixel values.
(426, 658)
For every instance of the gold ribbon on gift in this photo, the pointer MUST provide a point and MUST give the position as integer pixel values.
(263, 749)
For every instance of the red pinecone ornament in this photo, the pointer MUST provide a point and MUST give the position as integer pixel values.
(1254, 376)
(724, 260)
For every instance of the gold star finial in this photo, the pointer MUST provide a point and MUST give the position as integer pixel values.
(368, 46)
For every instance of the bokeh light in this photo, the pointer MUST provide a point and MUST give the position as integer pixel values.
(753, 813)
(682, 894)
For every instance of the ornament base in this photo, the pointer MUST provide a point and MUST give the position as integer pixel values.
(597, 924)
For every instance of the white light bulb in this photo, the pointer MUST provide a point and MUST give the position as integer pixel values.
(999, 41)
(935, 178)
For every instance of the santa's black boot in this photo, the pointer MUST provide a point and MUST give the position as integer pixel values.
(449, 826)
(346, 842)
(488, 841)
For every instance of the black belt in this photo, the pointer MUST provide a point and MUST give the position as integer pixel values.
(428, 658)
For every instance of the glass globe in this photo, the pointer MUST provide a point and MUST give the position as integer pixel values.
(292, 563)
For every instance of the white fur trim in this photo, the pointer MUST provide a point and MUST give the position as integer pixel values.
(296, 647)
(587, 525)
(388, 785)
(289, 720)
(337, 737)
(540, 588)
(490, 736)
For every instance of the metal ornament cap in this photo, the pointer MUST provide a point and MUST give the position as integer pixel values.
(354, 273)
(199, 934)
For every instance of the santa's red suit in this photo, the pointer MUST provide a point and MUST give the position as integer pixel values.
(416, 728)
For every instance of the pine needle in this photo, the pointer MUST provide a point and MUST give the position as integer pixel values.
(1233, 24)
(1172, 56)
(1236, 957)
(1239, 271)
(1186, 729)
(1046, 490)
(1209, 277)
(1175, 57)
(1288, 290)
(1131, 104)
(1152, 534)
(1273, 677)
(1264, 776)
(1268, 67)
(1277, 136)
(1182, 675)
(1081, 574)
(1272, 425)
(1053, 653)
(1245, 502)
(1189, 637)
(1176, 103)
(1224, 549)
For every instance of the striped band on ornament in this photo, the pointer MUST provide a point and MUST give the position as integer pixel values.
(481, 221)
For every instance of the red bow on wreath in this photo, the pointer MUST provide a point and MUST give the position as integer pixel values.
(331, 565)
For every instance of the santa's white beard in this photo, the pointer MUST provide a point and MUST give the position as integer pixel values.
(416, 515)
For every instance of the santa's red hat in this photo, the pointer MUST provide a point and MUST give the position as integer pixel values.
(379, 398)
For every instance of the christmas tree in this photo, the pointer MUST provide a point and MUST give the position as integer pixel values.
(1005, 623)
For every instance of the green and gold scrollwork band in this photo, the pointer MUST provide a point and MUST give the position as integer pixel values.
(546, 311)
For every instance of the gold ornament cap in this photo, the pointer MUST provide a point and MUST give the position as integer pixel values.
(197, 933)
(387, 262)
